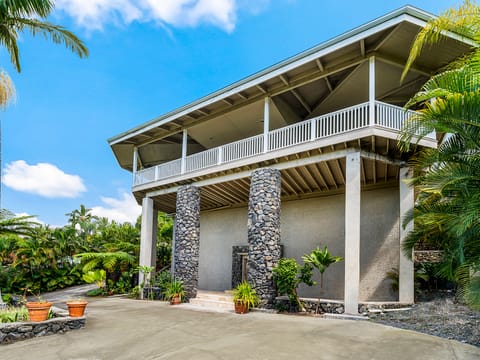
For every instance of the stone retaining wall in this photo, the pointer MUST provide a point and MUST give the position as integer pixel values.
(334, 306)
(11, 332)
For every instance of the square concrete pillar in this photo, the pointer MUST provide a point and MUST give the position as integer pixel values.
(405, 269)
(148, 236)
(352, 232)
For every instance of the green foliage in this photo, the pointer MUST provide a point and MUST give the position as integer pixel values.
(46, 259)
(12, 314)
(246, 295)
(97, 292)
(98, 277)
(162, 279)
(447, 179)
(108, 261)
(320, 259)
(288, 275)
(174, 289)
(31, 15)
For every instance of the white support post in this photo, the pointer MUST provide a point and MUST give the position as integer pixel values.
(352, 233)
(220, 155)
(313, 129)
(184, 150)
(266, 123)
(146, 237)
(405, 271)
(371, 90)
(135, 164)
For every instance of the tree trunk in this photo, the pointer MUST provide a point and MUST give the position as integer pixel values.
(320, 294)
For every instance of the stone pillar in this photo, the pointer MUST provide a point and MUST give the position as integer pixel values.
(405, 269)
(148, 237)
(187, 238)
(264, 232)
(352, 233)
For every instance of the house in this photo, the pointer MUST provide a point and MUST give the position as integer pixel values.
(299, 155)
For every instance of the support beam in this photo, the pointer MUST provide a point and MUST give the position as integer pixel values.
(135, 163)
(184, 150)
(266, 123)
(352, 233)
(405, 272)
(371, 90)
(148, 239)
(302, 101)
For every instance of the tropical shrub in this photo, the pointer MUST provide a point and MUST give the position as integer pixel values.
(447, 179)
(288, 275)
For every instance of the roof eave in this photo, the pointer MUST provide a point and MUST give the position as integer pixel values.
(402, 14)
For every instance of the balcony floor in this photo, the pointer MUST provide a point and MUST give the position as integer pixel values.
(312, 173)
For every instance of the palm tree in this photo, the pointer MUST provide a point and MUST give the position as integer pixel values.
(17, 16)
(7, 95)
(447, 211)
(320, 259)
(20, 15)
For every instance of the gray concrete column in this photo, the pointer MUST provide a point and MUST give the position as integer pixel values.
(264, 232)
(187, 238)
(405, 270)
(352, 233)
(148, 237)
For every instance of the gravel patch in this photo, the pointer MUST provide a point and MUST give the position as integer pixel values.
(438, 314)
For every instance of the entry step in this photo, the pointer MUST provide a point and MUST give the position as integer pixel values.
(214, 299)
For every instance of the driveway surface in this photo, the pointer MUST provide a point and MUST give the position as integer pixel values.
(119, 328)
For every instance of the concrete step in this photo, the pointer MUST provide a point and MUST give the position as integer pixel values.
(213, 300)
(214, 295)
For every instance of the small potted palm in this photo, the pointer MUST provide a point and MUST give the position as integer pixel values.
(174, 292)
(244, 298)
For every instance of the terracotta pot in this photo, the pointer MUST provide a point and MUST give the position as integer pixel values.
(176, 300)
(241, 308)
(38, 311)
(76, 308)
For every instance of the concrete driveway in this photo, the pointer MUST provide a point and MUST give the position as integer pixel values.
(128, 329)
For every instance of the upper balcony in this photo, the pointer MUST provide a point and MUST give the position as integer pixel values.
(346, 125)
(305, 112)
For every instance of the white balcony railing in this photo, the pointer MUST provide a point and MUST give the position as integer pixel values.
(342, 121)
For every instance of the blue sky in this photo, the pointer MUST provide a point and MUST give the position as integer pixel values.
(144, 60)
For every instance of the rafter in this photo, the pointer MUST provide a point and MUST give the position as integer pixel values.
(301, 100)
(228, 101)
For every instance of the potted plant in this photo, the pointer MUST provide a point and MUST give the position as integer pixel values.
(244, 297)
(174, 292)
(76, 308)
(38, 310)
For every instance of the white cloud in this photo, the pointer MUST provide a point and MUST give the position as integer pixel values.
(42, 179)
(94, 14)
(124, 209)
(34, 218)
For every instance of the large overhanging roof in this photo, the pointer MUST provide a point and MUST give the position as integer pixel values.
(297, 79)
